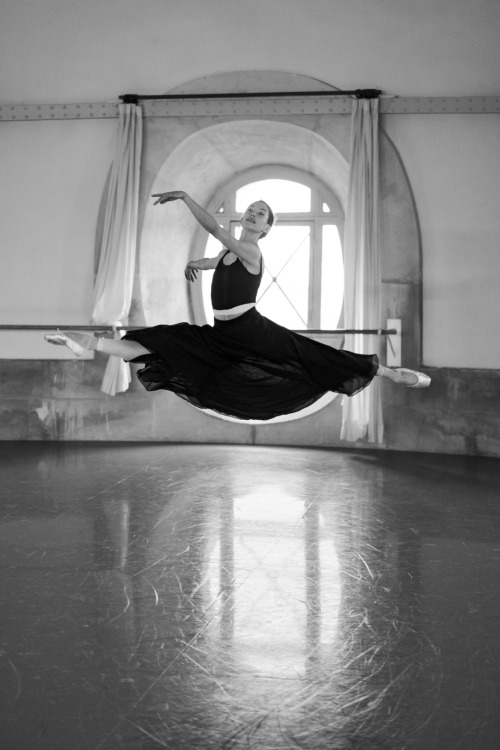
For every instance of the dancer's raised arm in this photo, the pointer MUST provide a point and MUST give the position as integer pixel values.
(254, 223)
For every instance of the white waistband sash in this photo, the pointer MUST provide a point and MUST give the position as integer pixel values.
(233, 312)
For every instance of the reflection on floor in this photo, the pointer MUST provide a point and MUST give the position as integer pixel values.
(205, 597)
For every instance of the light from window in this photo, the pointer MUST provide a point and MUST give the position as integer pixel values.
(284, 292)
(332, 277)
(213, 248)
(284, 196)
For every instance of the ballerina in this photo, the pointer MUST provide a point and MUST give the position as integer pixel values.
(245, 365)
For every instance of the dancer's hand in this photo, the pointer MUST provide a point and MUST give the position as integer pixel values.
(191, 272)
(171, 195)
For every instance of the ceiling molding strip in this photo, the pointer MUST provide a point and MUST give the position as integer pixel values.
(440, 105)
(253, 107)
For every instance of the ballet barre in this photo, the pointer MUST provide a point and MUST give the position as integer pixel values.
(111, 329)
(392, 333)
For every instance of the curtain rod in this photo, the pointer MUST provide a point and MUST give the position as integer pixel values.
(358, 93)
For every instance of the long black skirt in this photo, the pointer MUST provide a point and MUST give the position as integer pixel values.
(248, 367)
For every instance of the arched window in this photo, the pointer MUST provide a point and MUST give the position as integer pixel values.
(303, 281)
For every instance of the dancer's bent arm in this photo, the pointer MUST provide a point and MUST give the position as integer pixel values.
(248, 252)
(202, 264)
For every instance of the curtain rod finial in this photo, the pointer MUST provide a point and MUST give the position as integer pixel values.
(130, 98)
(367, 93)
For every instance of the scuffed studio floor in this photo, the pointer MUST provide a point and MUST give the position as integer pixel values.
(216, 597)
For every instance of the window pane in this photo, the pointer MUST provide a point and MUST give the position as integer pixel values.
(284, 196)
(284, 292)
(212, 249)
(332, 278)
(275, 306)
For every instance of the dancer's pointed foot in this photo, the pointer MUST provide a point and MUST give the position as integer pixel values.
(79, 343)
(413, 378)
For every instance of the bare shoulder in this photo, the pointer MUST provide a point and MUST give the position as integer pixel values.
(250, 249)
(251, 257)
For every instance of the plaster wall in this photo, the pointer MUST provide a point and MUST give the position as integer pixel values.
(51, 185)
(65, 51)
(453, 169)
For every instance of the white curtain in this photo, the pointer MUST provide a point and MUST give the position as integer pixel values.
(115, 275)
(362, 414)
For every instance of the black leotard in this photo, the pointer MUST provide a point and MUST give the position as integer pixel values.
(233, 285)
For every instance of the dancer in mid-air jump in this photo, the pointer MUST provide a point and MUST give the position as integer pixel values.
(245, 365)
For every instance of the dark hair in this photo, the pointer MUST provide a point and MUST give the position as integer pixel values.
(270, 218)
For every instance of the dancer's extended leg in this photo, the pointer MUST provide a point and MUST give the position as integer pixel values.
(81, 342)
(402, 375)
(121, 348)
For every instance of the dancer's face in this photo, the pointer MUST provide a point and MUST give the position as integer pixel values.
(256, 218)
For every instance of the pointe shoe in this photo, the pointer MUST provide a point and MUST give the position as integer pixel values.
(78, 343)
(423, 380)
